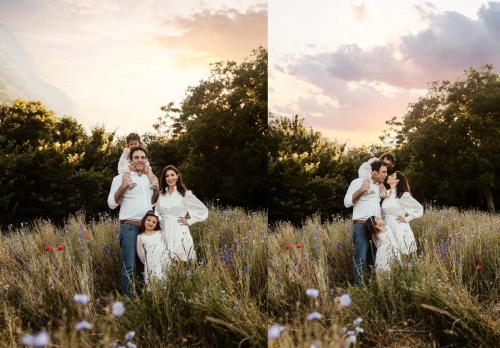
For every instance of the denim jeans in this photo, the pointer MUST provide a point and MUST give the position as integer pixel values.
(131, 264)
(364, 254)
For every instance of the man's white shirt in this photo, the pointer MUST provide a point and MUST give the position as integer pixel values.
(368, 204)
(135, 201)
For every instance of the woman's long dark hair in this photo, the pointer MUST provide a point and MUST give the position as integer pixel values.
(403, 185)
(142, 228)
(370, 228)
(163, 181)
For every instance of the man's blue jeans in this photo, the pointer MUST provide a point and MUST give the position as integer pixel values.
(128, 241)
(364, 253)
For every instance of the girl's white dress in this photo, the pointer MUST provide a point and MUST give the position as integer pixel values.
(171, 206)
(406, 206)
(387, 249)
(152, 250)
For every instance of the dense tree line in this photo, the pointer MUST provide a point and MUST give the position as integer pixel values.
(230, 152)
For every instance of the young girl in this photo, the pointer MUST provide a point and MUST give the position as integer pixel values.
(151, 247)
(386, 243)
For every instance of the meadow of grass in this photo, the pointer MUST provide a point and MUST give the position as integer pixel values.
(447, 295)
(219, 301)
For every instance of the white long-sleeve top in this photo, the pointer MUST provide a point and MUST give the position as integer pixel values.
(174, 204)
(135, 201)
(406, 206)
(369, 203)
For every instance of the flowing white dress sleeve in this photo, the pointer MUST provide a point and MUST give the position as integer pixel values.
(140, 249)
(196, 209)
(365, 170)
(411, 206)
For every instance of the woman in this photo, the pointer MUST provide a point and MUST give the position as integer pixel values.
(399, 208)
(173, 205)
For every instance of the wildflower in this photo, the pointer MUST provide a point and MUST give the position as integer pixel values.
(83, 325)
(48, 247)
(106, 249)
(80, 298)
(314, 316)
(298, 245)
(287, 246)
(88, 234)
(351, 340)
(443, 249)
(81, 237)
(38, 340)
(359, 330)
(274, 332)
(60, 247)
(344, 329)
(118, 308)
(245, 269)
(479, 267)
(345, 300)
(315, 344)
(357, 321)
(312, 293)
(131, 345)
(340, 245)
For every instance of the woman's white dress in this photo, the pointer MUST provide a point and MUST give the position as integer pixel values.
(152, 250)
(406, 206)
(387, 249)
(171, 206)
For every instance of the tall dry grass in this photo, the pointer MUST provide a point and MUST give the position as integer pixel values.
(448, 294)
(219, 301)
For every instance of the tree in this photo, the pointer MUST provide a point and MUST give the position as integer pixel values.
(219, 132)
(305, 172)
(450, 140)
(49, 166)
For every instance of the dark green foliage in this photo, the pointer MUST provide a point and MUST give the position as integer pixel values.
(50, 167)
(219, 133)
(449, 141)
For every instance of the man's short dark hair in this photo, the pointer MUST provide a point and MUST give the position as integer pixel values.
(133, 136)
(376, 165)
(137, 148)
(389, 156)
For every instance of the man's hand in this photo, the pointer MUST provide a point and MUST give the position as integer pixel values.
(366, 186)
(126, 181)
(182, 221)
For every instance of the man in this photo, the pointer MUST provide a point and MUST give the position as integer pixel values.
(135, 193)
(364, 196)
(365, 169)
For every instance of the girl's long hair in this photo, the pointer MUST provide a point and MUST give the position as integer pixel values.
(371, 229)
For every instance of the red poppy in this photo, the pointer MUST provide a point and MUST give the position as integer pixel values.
(479, 267)
(88, 234)
(288, 246)
(47, 247)
(60, 247)
(298, 245)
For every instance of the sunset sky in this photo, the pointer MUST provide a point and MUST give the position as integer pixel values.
(120, 61)
(347, 66)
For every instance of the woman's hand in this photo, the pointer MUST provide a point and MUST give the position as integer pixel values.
(401, 219)
(182, 221)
